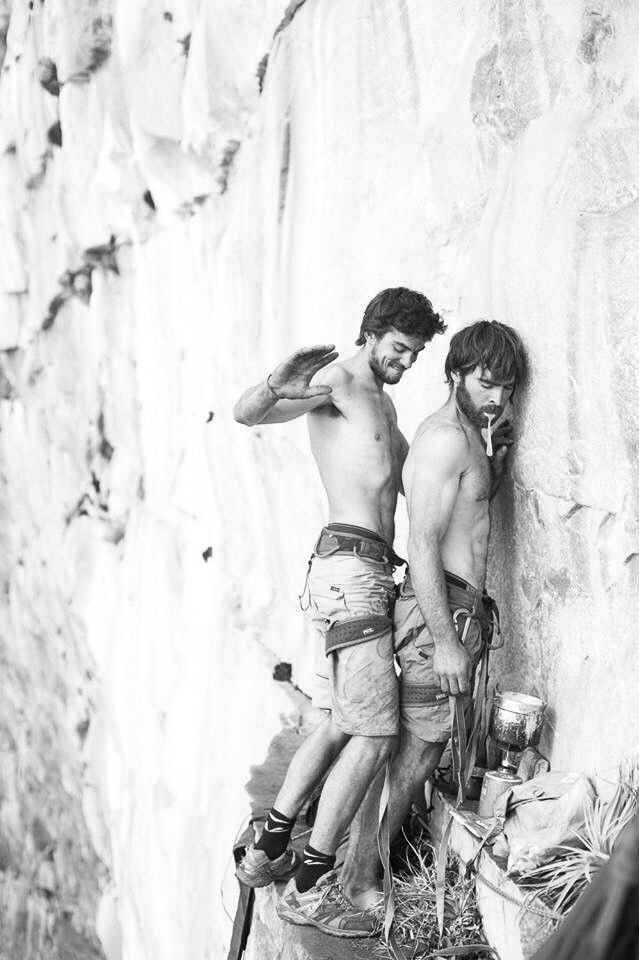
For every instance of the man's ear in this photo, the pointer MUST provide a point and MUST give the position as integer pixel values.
(456, 376)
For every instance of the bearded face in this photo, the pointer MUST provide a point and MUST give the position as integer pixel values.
(385, 369)
(392, 353)
(477, 394)
(468, 407)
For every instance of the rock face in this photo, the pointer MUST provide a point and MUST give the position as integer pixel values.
(168, 232)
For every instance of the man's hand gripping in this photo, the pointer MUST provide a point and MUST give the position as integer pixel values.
(290, 380)
(451, 664)
(502, 440)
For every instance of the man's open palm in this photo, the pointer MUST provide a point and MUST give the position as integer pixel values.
(291, 379)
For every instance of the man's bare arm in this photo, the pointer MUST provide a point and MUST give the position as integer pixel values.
(439, 458)
(287, 392)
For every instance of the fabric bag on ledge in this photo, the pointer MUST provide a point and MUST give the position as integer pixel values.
(540, 815)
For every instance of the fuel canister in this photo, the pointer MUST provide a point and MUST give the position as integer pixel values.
(494, 784)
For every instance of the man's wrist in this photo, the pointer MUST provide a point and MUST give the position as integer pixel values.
(447, 641)
(272, 389)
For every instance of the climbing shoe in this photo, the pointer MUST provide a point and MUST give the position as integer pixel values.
(256, 870)
(326, 907)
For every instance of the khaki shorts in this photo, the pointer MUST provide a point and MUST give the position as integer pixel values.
(360, 681)
(431, 722)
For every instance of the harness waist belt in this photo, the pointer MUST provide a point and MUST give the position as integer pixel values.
(333, 541)
(420, 693)
(451, 580)
(346, 633)
(456, 581)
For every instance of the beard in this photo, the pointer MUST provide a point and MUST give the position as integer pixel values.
(385, 372)
(465, 403)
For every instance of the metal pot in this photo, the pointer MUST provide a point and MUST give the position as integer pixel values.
(516, 719)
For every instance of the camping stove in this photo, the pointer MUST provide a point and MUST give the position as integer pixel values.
(516, 720)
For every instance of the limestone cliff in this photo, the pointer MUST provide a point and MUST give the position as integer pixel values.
(189, 190)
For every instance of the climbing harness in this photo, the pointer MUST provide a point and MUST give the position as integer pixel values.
(415, 693)
(349, 539)
(464, 753)
(348, 633)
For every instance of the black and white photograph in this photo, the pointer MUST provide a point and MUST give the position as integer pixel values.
(319, 479)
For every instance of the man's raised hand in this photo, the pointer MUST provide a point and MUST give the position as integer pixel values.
(290, 380)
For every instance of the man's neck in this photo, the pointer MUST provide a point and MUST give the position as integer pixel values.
(453, 409)
(361, 367)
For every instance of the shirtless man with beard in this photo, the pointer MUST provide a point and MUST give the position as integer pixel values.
(442, 616)
(359, 452)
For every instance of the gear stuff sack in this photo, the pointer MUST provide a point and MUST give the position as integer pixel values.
(539, 816)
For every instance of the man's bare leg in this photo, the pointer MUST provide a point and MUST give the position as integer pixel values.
(345, 788)
(270, 858)
(412, 765)
(308, 765)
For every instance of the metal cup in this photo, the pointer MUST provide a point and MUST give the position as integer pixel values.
(516, 719)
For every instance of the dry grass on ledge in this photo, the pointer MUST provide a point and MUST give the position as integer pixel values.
(560, 882)
(415, 906)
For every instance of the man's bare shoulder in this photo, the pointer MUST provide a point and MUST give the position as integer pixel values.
(339, 378)
(440, 438)
(337, 375)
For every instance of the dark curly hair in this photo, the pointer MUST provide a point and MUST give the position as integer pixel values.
(490, 345)
(402, 309)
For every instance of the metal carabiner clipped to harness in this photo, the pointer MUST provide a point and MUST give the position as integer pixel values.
(456, 615)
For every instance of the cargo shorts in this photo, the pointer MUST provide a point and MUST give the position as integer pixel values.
(357, 683)
(430, 719)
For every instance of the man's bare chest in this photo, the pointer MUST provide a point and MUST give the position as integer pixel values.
(372, 423)
(474, 487)
(362, 426)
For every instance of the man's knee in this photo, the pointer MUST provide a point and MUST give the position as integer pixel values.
(380, 747)
(337, 737)
(384, 747)
(421, 755)
(390, 746)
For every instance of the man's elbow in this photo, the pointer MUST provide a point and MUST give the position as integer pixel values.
(241, 416)
(423, 544)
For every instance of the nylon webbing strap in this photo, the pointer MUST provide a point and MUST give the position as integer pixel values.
(478, 714)
(496, 624)
(383, 844)
(346, 633)
(458, 746)
(440, 877)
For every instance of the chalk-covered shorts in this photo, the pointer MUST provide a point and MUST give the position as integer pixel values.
(431, 721)
(359, 682)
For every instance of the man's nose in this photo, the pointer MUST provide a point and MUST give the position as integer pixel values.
(497, 396)
(407, 361)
